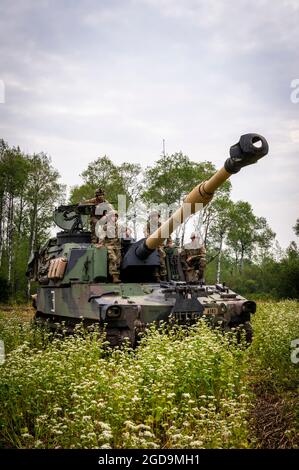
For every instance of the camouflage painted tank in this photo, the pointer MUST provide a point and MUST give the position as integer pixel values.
(74, 283)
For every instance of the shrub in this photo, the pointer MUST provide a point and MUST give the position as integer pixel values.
(179, 389)
(275, 326)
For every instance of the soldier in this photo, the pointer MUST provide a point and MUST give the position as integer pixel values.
(152, 224)
(173, 260)
(194, 259)
(99, 208)
(170, 246)
(163, 269)
(107, 233)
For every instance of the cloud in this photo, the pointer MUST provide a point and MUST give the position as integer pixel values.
(88, 78)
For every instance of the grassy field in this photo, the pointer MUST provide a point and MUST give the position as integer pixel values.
(177, 390)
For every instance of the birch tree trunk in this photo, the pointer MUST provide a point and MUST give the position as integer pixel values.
(32, 241)
(10, 230)
(242, 259)
(207, 226)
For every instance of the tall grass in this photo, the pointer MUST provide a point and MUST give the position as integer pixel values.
(276, 325)
(179, 389)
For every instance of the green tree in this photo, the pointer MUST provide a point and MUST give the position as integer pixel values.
(42, 193)
(13, 177)
(264, 237)
(248, 234)
(172, 177)
(115, 180)
(29, 188)
(81, 192)
(3, 149)
(101, 173)
(220, 224)
(242, 232)
(132, 180)
(288, 273)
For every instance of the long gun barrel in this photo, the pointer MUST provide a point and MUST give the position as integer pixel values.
(249, 149)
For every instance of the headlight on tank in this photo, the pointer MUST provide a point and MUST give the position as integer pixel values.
(113, 312)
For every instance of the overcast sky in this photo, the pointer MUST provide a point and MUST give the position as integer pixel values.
(88, 78)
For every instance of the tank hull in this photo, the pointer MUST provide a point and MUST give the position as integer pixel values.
(126, 309)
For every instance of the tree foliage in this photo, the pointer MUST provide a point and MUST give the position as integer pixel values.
(113, 179)
(266, 279)
(247, 232)
(296, 228)
(29, 190)
(172, 177)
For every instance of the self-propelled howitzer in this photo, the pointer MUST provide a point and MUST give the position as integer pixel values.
(74, 282)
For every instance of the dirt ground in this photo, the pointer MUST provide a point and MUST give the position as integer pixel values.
(272, 418)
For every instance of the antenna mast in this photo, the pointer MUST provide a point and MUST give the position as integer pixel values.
(164, 154)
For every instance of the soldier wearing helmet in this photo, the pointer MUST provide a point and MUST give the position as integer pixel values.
(99, 208)
(193, 258)
(153, 223)
(99, 197)
(107, 234)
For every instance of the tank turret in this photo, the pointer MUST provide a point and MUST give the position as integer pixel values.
(249, 149)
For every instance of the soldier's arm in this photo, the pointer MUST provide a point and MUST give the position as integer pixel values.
(87, 202)
(101, 233)
(199, 256)
(193, 258)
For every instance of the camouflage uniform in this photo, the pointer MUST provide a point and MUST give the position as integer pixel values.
(193, 258)
(113, 248)
(151, 227)
(108, 237)
(94, 202)
(163, 270)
